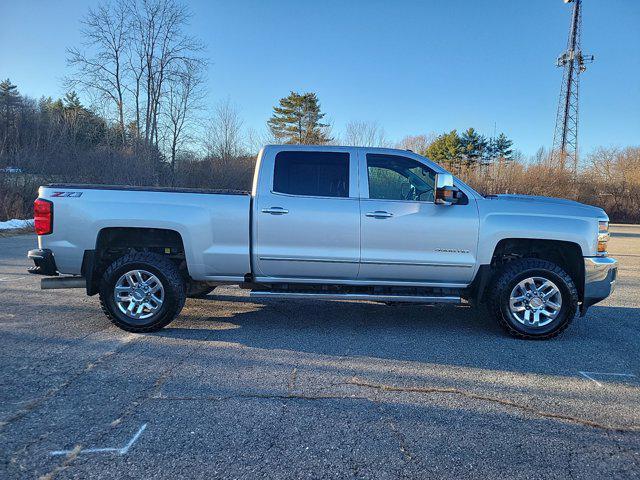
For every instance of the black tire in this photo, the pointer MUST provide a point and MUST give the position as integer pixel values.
(516, 271)
(168, 275)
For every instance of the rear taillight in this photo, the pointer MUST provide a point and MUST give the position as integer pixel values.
(43, 216)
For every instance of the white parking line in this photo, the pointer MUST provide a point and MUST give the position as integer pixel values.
(589, 375)
(119, 451)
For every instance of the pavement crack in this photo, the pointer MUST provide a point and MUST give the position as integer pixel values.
(623, 452)
(498, 401)
(293, 378)
(52, 392)
(404, 448)
(164, 376)
(71, 456)
(570, 464)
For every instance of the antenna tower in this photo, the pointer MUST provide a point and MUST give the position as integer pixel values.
(573, 62)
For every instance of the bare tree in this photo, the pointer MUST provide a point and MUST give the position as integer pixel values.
(100, 67)
(417, 143)
(136, 73)
(226, 147)
(256, 139)
(223, 137)
(184, 99)
(161, 46)
(365, 134)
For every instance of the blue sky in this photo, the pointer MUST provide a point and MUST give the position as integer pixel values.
(412, 66)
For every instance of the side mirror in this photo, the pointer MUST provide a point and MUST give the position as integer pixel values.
(445, 191)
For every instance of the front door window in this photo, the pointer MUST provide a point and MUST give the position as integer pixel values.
(393, 177)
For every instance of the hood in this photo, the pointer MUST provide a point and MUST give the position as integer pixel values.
(557, 205)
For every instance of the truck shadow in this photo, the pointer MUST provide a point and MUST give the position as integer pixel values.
(456, 335)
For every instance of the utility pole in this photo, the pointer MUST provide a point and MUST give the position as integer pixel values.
(573, 62)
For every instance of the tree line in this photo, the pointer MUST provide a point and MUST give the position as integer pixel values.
(62, 140)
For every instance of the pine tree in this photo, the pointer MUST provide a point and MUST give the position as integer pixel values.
(502, 147)
(72, 101)
(9, 95)
(298, 120)
(446, 148)
(473, 146)
(9, 103)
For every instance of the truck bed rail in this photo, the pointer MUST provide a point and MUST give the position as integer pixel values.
(135, 188)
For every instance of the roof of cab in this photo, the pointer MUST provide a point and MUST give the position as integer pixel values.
(325, 148)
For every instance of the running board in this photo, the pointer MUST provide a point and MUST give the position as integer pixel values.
(358, 296)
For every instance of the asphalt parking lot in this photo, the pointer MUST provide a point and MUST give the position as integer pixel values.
(240, 388)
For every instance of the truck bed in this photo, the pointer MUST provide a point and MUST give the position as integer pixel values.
(213, 224)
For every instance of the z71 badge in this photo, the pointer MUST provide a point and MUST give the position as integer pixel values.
(67, 194)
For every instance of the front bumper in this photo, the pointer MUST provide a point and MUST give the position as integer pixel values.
(44, 262)
(600, 274)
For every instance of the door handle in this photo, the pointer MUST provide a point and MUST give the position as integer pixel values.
(379, 214)
(275, 210)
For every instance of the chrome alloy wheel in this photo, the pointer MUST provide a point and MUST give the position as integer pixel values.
(535, 301)
(139, 294)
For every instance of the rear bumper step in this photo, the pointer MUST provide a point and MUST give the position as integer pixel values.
(358, 296)
(44, 263)
(62, 282)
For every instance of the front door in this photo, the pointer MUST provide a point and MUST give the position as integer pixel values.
(406, 236)
(307, 216)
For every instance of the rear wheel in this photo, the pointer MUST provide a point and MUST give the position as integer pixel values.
(142, 292)
(533, 299)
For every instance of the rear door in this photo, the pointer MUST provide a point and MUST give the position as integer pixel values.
(307, 217)
(405, 236)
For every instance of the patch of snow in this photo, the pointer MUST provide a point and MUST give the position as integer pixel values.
(15, 223)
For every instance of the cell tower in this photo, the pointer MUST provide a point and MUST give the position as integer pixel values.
(572, 60)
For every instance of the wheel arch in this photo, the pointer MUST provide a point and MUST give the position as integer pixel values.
(566, 254)
(113, 242)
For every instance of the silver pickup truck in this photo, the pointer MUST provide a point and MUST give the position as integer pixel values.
(331, 223)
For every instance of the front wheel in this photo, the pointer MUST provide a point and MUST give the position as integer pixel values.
(533, 299)
(142, 292)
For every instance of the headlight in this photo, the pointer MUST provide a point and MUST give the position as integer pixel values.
(603, 237)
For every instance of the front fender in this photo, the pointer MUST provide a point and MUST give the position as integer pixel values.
(497, 226)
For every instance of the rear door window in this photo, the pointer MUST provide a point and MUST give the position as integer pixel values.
(315, 174)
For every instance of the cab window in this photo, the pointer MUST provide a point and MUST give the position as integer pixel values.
(317, 174)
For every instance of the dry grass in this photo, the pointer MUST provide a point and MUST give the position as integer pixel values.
(609, 178)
